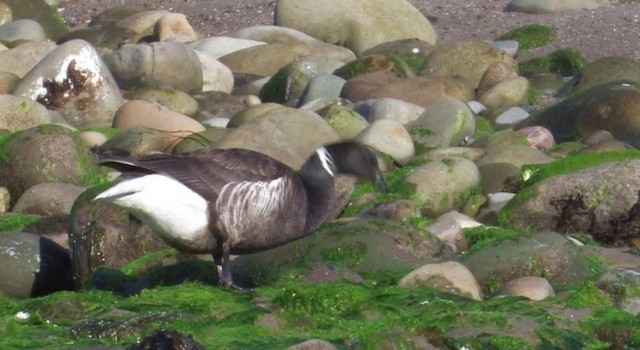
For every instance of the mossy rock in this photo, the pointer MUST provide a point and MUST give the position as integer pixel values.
(566, 62)
(41, 12)
(531, 36)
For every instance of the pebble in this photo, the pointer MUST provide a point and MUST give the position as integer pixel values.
(451, 277)
(530, 287)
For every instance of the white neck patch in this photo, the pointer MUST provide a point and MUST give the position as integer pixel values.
(326, 160)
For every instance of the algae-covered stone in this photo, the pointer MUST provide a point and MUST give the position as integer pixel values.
(566, 62)
(19, 113)
(173, 99)
(613, 106)
(530, 36)
(347, 122)
(608, 69)
(47, 153)
(41, 12)
(290, 81)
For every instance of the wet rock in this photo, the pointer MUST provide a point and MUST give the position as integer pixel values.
(439, 184)
(543, 253)
(123, 329)
(357, 24)
(360, 246)
(614, 107)
(467, 60)
(530, 287)
(157, 64)
(450, 277)
(73, 80)
(47, 153)
(324, 86)
(597, 201)
(606, 70)
(32, 266)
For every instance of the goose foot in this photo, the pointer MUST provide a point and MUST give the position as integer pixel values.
(224, 270)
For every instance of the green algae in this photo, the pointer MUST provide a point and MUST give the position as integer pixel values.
(589, 296)
(531, 36)
(483, 236)
(16, 221)
(566, 62)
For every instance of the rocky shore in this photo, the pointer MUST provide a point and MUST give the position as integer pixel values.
(512, 205)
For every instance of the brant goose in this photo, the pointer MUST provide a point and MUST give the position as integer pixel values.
(234, 201)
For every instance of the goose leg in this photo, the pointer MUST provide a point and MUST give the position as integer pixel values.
(224, 269)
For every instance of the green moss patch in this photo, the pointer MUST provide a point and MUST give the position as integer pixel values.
(531, 36)
(566, 62)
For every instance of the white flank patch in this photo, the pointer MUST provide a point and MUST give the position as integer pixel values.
(167, 206)
(326, 160)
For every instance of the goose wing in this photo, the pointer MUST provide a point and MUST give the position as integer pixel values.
(205, 171)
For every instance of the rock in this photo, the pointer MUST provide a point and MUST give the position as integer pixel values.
(596, 201)
(174, 27)
(47, 153)
(8, 82)
(73, 80)
(467, 60)
(389, 108)
(5, 199)
(400, 210)
(447, 122)
(175, 126)
(530, 287)
(313, 344)
(512, 117)
(391, 138)
(22, 29)
(347, 123)
(357, 24)
(538, 137)
(606, 70)
(138, 140)
(323, 86)
(290, 81)
(115, 14)
(93, 138)
(175, 100)
(103, 37)
(449, 232)
(554, 6)
(293, 134)
(419, 90)
(18, 113)
(5, 14)
(32, 266)
(142, 22)
(45, 15)
(168, 339)
(48, 199)
(508, 92)
(157, 64)
(215, 75)
(22, 58)
(613, 106)
(219, 46)
(360, 246)
(451, 277)
(540, 253)
(219, 105)
(439, 184)
(278, 34)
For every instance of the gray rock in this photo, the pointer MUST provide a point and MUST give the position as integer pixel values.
(47, 153)
(173, 99)
(440, 183)
(450, 276)
(73, 80)
(22, 29)
(554, 6)
(531, 287)
(157, 64)
(218, 46)
(613, 106)
(447, 122)
(357, 24)
(18, 113)
(286, 134)
(599, 201)
(48, 199)
(32, 266)
(215, 75)
(324, 86)
(467, 60)
(511, 117)
(547, 254)
(389, 108)
(391, 138)
(360, 246)
(22, 58)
